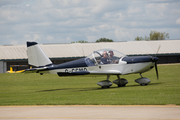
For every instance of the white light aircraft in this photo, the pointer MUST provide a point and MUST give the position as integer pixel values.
(100, 62)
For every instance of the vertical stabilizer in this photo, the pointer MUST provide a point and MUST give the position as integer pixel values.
(36, 56)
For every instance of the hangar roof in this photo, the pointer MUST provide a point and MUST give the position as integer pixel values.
(84, 49)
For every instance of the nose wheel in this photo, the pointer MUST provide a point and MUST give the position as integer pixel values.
(143, 81)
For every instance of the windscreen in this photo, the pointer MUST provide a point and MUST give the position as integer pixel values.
(104, 56)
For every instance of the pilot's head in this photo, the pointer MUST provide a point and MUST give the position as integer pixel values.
(111, 53)
(105, 55)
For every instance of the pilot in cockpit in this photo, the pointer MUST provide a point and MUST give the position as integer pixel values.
(105, 59)
(112, 58)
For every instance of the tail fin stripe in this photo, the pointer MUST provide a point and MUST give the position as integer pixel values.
(31, 44)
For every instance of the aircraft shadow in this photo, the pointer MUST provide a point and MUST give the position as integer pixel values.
(95, 88)
(51, 90)
(140, 85)
(77, 89)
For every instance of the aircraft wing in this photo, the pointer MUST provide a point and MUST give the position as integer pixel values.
(111, 72)
(34, 70)
(73, 73)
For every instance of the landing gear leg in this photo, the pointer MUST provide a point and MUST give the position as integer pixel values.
(143, 81)
(141, 75)
(121, 82)
(105, 83)
(108, 76)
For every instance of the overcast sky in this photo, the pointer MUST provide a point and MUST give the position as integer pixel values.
(65, 21)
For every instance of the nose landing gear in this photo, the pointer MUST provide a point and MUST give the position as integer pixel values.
(143, 81)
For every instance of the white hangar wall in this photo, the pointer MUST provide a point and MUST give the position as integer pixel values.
(16, 54)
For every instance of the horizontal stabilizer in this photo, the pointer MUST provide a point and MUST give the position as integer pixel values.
(35, 70)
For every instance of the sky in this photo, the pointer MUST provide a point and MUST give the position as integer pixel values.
(66, 21)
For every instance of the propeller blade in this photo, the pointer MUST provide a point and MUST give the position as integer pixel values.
(156, 70)
(158, 50)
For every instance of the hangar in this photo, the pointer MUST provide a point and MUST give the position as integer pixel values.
(169, 51)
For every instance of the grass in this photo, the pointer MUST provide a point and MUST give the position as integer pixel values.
(35, 89)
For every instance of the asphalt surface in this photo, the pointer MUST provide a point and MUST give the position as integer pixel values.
(152, 112)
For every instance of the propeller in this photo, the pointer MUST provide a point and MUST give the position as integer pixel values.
(155, 60)
(158, 49)
(156, 70)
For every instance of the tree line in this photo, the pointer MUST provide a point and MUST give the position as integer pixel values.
(99, 40)
(154, 35)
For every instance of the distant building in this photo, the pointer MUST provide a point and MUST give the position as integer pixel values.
(169, 51)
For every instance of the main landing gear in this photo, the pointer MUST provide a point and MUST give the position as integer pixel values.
(106, 83)
(121, 82)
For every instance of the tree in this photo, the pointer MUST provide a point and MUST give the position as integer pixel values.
(104, 40)
(141, 39)
(81, 41)
(138, 38)
(154, 35)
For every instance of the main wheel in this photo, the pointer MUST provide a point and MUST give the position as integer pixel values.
(105, 87)
(143, 84)
(122, 85)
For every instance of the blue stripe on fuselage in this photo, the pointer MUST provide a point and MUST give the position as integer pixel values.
(137, 59)
(73, 74)
(71, 64)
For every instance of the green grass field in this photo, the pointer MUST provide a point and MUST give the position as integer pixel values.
(35, 89)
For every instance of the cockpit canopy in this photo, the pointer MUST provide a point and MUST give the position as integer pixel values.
(104, 56)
